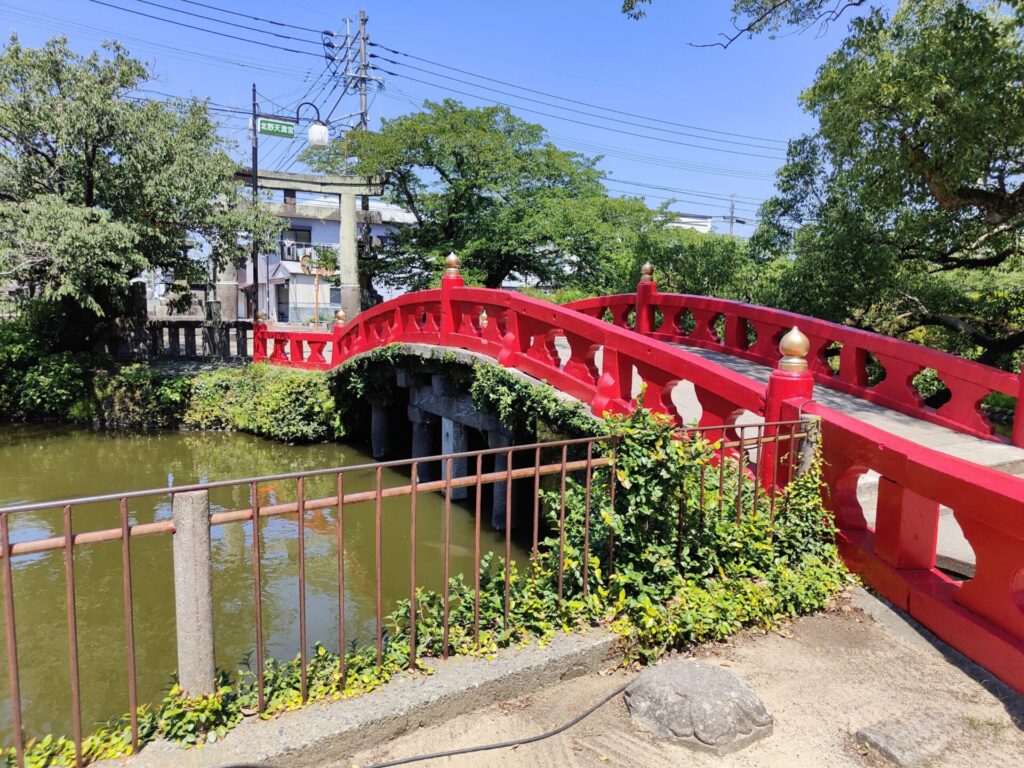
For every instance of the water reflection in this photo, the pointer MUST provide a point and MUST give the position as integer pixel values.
(38, 464)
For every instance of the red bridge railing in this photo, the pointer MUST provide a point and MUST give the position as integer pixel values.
(983, 617)
(596, 362)
(752, 332)
(575, 350)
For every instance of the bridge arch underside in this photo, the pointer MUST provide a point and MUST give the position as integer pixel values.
(420, 406)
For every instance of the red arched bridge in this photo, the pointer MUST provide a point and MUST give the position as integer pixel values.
(904, 475)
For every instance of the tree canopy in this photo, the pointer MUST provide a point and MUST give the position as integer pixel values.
(489, 186)
(752, 17)
(905, 210)
(97, 185)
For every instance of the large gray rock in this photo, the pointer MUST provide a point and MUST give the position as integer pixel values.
(698, 705)
(913, 739)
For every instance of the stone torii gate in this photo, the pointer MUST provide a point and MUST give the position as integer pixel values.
(346, 188)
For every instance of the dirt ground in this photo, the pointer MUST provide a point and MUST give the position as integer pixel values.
(823, 677)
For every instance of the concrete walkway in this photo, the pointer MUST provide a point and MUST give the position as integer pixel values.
(823, 677)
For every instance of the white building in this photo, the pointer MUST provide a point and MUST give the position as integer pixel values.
(290, 290)
(695, 221)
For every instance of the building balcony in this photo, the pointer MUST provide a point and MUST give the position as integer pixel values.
(292, 251)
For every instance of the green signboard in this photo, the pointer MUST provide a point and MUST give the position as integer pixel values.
(273, 127)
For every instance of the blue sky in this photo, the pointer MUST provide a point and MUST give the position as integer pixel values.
(722, 101)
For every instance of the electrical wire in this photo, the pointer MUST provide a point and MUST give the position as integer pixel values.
(257, 18)
(48, 21)
(209, 31)
(727, 198)
(633, 134)
(576, 101)
(483, 747)
(236, 25)
(573, 109)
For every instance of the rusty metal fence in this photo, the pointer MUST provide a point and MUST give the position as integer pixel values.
(743, 450)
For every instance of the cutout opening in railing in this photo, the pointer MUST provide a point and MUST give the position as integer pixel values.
(931, 388)
(630, 319)
(1000, 410)
(658, 320)
(718, 327)
(954, 555)
(752, 336)
(875, 370)
(685, 322)
(830, 356)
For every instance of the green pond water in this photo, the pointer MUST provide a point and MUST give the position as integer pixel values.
(47, 463)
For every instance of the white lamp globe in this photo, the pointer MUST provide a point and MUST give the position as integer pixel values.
(318, 136)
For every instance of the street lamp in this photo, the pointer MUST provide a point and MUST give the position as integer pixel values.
(282, 126)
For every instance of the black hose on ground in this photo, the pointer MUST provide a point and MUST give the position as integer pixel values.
(481, 748)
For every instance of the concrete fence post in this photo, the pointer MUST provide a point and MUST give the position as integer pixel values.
(193, 592)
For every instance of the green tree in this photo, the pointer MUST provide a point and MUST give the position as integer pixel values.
(97, 185)
(489, 186)
(905, 211)
(707, 264)
(752, 17)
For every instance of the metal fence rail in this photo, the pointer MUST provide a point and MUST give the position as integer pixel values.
(740, 452)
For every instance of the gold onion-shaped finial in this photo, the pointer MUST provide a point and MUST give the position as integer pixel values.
(647, 273)
(340, 317)
(794, 347)
(452, 264)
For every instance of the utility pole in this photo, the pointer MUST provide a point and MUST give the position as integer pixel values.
(364, 115)
(364, 124)
(255, 204)
(732, 213)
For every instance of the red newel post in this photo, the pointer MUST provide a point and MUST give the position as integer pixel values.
(339, 324)
(1017, 438)
(645, 291)
(789, 386)
(259, 339)
(451, 279)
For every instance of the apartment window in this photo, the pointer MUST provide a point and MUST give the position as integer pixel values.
(299, 235)
(335, 294)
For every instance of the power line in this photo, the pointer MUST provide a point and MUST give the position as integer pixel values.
(204, 29)
(184, 54)
(659, 160)
(576, 101)
(683, 191)
(572, 109)
(573, 120)
(215, 20)
(672, 199)
(415, 101)
(257, 18)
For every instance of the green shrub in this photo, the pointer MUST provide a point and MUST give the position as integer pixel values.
(279, 403)
(54, 384)
(136, 396)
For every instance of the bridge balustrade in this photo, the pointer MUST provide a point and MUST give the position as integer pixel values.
(847, 359)
(983, 617)
(521, 332)
(607, 341)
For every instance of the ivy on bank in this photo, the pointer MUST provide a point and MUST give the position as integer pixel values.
(693, 561)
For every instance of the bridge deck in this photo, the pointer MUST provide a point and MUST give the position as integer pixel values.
(954, 552)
